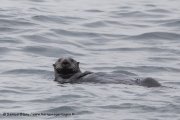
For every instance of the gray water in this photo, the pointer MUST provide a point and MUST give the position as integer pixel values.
(133, 37)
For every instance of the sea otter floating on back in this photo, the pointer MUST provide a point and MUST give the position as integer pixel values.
(67, 70)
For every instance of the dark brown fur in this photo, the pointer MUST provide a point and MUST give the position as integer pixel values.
(67, 70)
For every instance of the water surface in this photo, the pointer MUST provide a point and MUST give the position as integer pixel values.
(132, 37)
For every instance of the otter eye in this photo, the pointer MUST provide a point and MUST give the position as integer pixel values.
(71, 60)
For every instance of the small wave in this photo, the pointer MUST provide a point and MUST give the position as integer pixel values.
(112, 107)
(173, 83)
(84, 34)
(62, 109)
(163, 59)
(57, 99)
(141, 69)
(125, 7)
(96, 24)
(112, 22)
(157, 35)
(10, 91)
(38, 38)
(5, 16)
(170, 108)
(84, 112)
(94, 11)
(49, 51)
(148, 49)
(9, 40)
(7, 22)
(133, 106)
(35, 10)
(4, 49)
(150, 5)
(147, 69)
(159, 10)
(46, 38)
(173, 23)
(75, 33)
(7, 29)
(37, 0)
(56, 19)
(68, 109)
(7, 101)
(27, 71)
(138, 106)
(135, 14)
(13, 30)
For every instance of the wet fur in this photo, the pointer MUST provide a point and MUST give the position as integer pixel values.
(67, 70)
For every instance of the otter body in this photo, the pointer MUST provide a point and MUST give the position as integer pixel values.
(67, 70)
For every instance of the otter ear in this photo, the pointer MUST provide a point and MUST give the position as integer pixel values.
(54, 65)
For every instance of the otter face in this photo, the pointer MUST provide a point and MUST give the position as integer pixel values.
(65, 66)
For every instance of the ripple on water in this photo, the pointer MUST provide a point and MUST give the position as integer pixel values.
(159, 10)
(131, 49)
(27, 71)
(37, 0)
(15, 23)
(10, 40)
(149, 69)
(51, 38)
(94, 11)
(163, 59)
(76, 33)
(157, 35)
(56, 19)
(136, 14)
(8, 91)
(49, 51)
(62, 109)
(172, 23)
(38, 38)
(95, 24)
(4, 50)
(7, 101)
(8, 30)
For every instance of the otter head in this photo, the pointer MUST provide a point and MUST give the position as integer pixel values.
(66, 67)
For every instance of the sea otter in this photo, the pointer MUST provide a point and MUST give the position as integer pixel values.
(67, 70)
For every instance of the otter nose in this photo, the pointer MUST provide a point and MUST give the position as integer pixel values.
(65, 63)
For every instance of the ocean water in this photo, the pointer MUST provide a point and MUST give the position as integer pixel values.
(134, 37)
